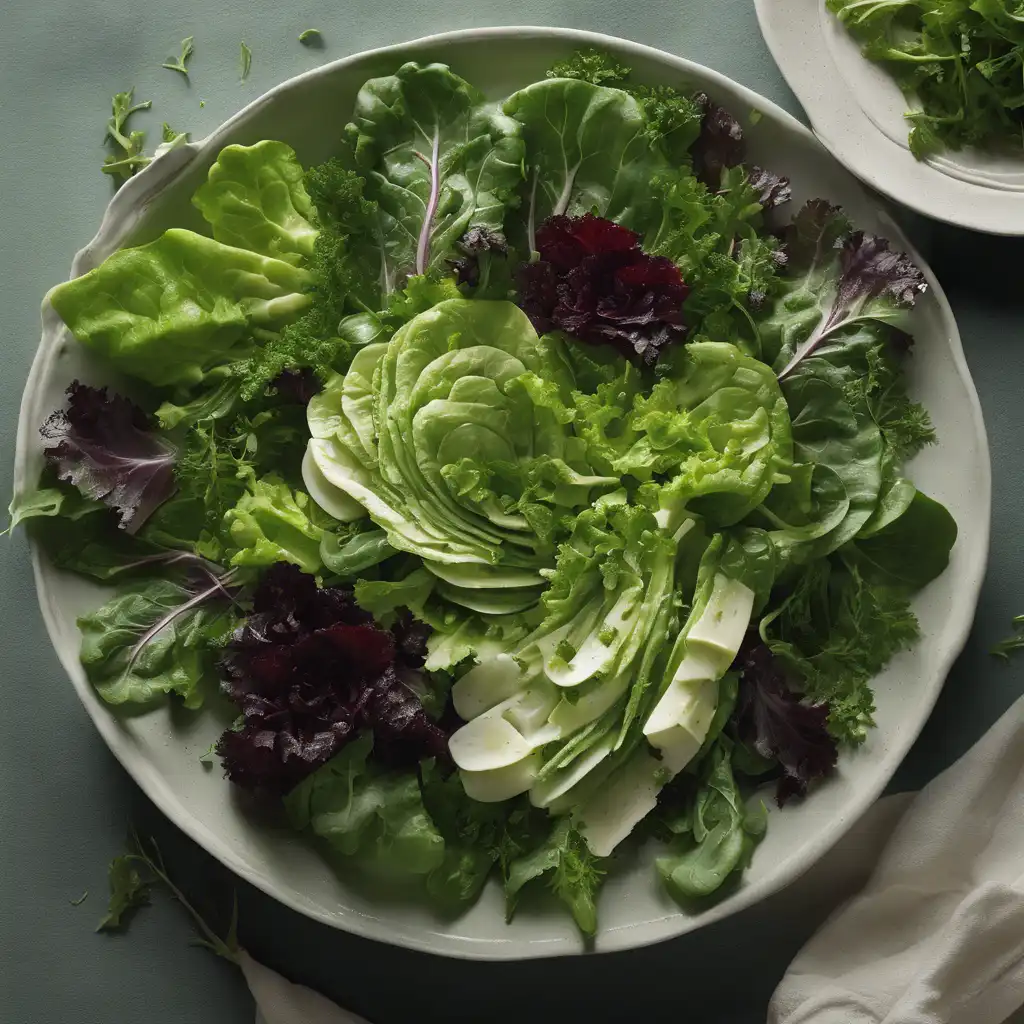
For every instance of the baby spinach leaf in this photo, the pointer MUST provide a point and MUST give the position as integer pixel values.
(914, 547)
(584, 149)
(722, 832)
(438, 160)
(157, 637)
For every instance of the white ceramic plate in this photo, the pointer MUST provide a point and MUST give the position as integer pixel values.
(856, 109)
(161, 749)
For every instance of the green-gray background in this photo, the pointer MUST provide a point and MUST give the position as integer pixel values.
(64, 802)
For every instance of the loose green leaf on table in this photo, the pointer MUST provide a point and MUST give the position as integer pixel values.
(180, 63)
(128, 891)
(1014, 642)
(245, 60)
(128, 157)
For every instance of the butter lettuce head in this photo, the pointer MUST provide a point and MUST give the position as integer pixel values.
(458, 438)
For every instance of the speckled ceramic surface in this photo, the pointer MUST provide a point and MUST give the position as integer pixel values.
(856, 110)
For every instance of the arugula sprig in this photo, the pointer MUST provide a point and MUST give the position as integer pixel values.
(181, 63)
(1014, 642)
(135, 873)
(131, 158)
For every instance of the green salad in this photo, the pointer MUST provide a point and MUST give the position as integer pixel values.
(960, 62)
(522, 483)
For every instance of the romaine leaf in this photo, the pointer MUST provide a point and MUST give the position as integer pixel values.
(254, 198)
(105, 446)
(170, 311)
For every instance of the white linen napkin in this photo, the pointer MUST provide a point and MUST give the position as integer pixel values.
(937, 935)
(280, 1002)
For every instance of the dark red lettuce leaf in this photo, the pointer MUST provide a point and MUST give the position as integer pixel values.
(476, 242)
(105, 446)
(593, 281)
(774, 720)
(772, 189)
(298, 386)
(719, 145)
(310, 670)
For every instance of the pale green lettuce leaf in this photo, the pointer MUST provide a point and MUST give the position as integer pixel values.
(254, 198)
(169, 311)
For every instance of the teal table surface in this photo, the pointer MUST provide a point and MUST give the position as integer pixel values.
(65, 802)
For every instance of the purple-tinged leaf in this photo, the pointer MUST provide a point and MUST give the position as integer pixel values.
(106, 447)
(720, 144)
(593, 281)
(844, 276)
(772, 189)
(779, 725)
(310, 670)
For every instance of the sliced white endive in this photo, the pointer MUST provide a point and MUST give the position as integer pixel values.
(687, 707)
(333, 501)
(724, 620)
(545, 791)
(488, 742)
(485, 577)
(485, 685)
(591, 702)
(679, 722)
(698, 667)
(508, 732)
(599, 649)
(489, 602)
(499, 784)
(626, 798)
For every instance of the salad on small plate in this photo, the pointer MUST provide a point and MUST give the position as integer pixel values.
(523, 482)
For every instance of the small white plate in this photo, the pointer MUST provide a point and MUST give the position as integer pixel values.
(856, 110)
(161, 749)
